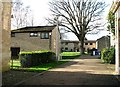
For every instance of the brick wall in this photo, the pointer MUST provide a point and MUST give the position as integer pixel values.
(71, 45)
(119, 51)
(5, 25)
(76, 45)
(103, 42)
(55, 41)
(90, 45)
(119, 40)
(27, 43)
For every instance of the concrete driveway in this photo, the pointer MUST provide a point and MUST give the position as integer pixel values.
(87, 70)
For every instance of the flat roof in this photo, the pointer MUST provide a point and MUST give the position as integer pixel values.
(34, 29)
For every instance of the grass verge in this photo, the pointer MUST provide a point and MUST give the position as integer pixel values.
(42, 67)
(70, 55)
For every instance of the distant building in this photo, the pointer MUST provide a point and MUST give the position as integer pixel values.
(89, 44)
(103, 42)
(74, 46)
(35, 38)
(67, 45)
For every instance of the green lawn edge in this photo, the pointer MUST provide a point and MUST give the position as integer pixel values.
(42, 67)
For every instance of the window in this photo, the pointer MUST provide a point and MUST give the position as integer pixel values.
(33, 34)
(66, 43)
(86, 43)
(76, 43)
(66, 48)
(62, 43)
(90, 43)
(12, 34)
(44, 35)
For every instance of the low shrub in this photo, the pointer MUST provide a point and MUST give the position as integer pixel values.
(34, 58)
(108, 55)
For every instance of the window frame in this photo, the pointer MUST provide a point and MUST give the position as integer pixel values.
(86, 43)
(43, 35)
(12, 34)
(91, 43)
(66, 43)
(34, 34)
(66, 48)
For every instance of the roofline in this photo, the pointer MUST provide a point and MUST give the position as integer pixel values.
(90, 40)
(29, 31)
(20, 31)
(102, 37)
(35, 27)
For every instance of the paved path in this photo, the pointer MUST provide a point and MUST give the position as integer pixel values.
(83, 71)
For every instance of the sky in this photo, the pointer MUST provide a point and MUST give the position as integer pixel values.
(40, 9)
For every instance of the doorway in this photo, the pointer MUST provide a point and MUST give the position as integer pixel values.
(14, 52)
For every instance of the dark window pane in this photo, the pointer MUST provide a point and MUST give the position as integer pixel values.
(44, 35)
(66, 43)
(66, 48)
(90, 43)
(86, 43)
(12, 34)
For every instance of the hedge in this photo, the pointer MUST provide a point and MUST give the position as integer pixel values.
(35, 58)
(108, 55)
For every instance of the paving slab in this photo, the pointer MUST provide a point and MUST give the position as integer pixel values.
(87, 70)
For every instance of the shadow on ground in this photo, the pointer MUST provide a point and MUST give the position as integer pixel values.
(72, 78)
(83, 71)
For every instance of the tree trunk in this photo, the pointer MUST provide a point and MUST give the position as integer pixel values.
(82, 47)
(81, 39)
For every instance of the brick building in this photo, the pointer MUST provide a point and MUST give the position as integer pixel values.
(67, 45)
(35, 38)
(103, 42)
(115, 8)
(5, 25)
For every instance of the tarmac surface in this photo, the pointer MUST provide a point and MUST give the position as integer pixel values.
(86, 70)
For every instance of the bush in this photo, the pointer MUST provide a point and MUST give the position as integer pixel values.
(34, 58)
(108, 55)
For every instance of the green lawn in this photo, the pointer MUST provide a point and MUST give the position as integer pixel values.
(16, 63)
(70, 55)
(42, 67)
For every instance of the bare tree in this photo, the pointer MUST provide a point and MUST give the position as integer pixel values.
(22, 16)
(63, 34)
(77, 16)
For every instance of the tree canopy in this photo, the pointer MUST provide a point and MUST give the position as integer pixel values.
(111, 21)
(77, 16)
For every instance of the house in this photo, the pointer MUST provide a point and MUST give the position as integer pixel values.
(74, 46)
(89, 44)
(103, 42)
(67, 45)
(5, 16)
(35, 38)
(115, 8)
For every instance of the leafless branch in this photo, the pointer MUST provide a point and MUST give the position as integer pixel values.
(78, 16)
(22, 16)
